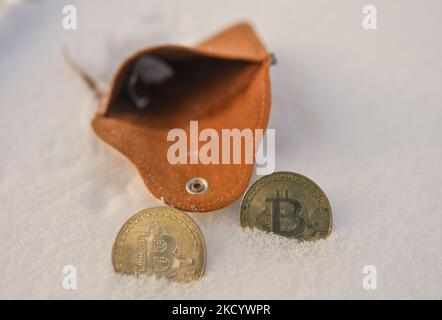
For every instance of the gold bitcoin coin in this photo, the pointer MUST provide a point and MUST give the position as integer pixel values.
(162, 242)
(287, 204)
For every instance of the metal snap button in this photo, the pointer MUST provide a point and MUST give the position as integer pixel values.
(197, 185)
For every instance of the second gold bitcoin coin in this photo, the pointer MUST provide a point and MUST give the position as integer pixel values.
(288, 204)
(161, 241)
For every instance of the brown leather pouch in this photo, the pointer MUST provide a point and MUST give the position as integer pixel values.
(223, 83)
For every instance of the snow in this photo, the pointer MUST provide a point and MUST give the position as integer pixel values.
(357, 111)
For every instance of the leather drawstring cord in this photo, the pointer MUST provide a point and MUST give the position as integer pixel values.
(88, 80)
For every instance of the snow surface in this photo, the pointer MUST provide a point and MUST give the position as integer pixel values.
(360, 112)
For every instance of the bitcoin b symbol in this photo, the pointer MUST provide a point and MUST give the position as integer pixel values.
(163, 246)
(286, 215)
(157, 249)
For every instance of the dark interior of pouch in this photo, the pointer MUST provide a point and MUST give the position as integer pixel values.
(190, 91)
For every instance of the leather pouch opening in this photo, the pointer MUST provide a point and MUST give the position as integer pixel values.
(196, 87)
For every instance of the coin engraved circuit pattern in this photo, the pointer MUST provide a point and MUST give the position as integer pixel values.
(287, 204)
(163, 242)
